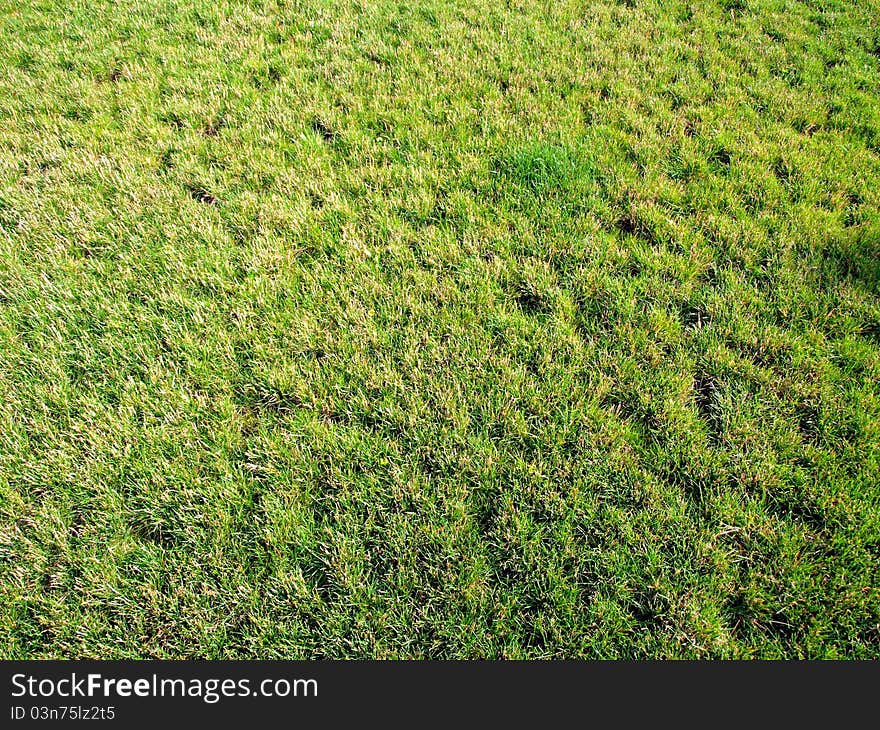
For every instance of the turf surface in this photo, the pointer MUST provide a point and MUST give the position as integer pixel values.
(439, 328)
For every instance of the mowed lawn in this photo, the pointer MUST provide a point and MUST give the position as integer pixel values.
(443, 328)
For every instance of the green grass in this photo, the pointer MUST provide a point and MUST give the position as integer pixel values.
(439, 329)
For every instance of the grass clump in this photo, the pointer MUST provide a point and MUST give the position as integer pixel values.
(538, 169)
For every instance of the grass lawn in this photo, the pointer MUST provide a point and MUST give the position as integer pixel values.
(349, 328)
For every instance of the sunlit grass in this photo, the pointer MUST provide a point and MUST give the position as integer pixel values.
(439, 329)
